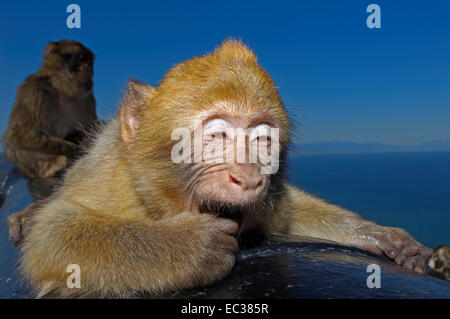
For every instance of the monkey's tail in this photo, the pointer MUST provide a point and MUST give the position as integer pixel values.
(7, 184)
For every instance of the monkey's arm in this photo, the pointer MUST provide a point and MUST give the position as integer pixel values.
(305, 215)
(122, 257)
(38, 141)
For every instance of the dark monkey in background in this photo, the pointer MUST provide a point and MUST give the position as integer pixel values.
(137, 222)
(52, 108)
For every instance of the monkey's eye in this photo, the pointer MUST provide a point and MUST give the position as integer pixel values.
(260, 133)
(216, 129)
(68, 56)
(219, 135)
(216, 137)
(263, 138)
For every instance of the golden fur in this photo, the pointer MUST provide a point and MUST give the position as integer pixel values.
(121, 214)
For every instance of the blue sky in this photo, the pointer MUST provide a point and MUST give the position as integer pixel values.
(339, 79)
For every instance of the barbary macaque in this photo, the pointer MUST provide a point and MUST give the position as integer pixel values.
(439, 263)
(136, 221)
(54, 109)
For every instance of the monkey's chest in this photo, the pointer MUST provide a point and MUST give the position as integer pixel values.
(68, 116)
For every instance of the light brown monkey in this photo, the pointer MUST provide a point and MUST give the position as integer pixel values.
(135, 221)
(52, 108)
(439, 263)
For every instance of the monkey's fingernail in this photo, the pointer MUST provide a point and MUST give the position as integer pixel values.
(229, 227)
(419, 270)
(391, 253)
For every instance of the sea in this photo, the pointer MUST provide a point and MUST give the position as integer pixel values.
(410, 190)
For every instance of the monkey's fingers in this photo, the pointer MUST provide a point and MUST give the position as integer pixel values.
(389, 249)
(405, 253)
(227, 226)
(417, 263)
(414, 257)
(19, 223)
(229, 243)
(14, 229)
(17, 227)
(413, 263)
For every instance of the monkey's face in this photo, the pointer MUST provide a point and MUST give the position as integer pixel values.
(232, 157)
(80, 65)
(73, 60)
(211, 138)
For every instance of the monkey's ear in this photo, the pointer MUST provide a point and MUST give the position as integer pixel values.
(51, 46)
(132, 110)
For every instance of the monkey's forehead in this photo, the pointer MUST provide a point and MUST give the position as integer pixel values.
(229, 80)
(75, 49)
(234, 90)
(204, 105)
(70, 46)
(207, 81)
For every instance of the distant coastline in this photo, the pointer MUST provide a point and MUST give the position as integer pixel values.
(336, 147)
(343, 147)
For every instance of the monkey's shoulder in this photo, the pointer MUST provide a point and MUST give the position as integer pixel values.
(35, 92)
(37, 84)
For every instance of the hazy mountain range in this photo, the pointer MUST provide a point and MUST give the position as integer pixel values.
(353, 147)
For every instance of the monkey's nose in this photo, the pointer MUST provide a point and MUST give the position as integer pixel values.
(246, 182)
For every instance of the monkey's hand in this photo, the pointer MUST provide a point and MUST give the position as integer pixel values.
(208, 247)
(68, 148)
(399, 246)
(20, 223)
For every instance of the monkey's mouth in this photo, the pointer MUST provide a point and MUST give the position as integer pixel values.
(224, 210)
